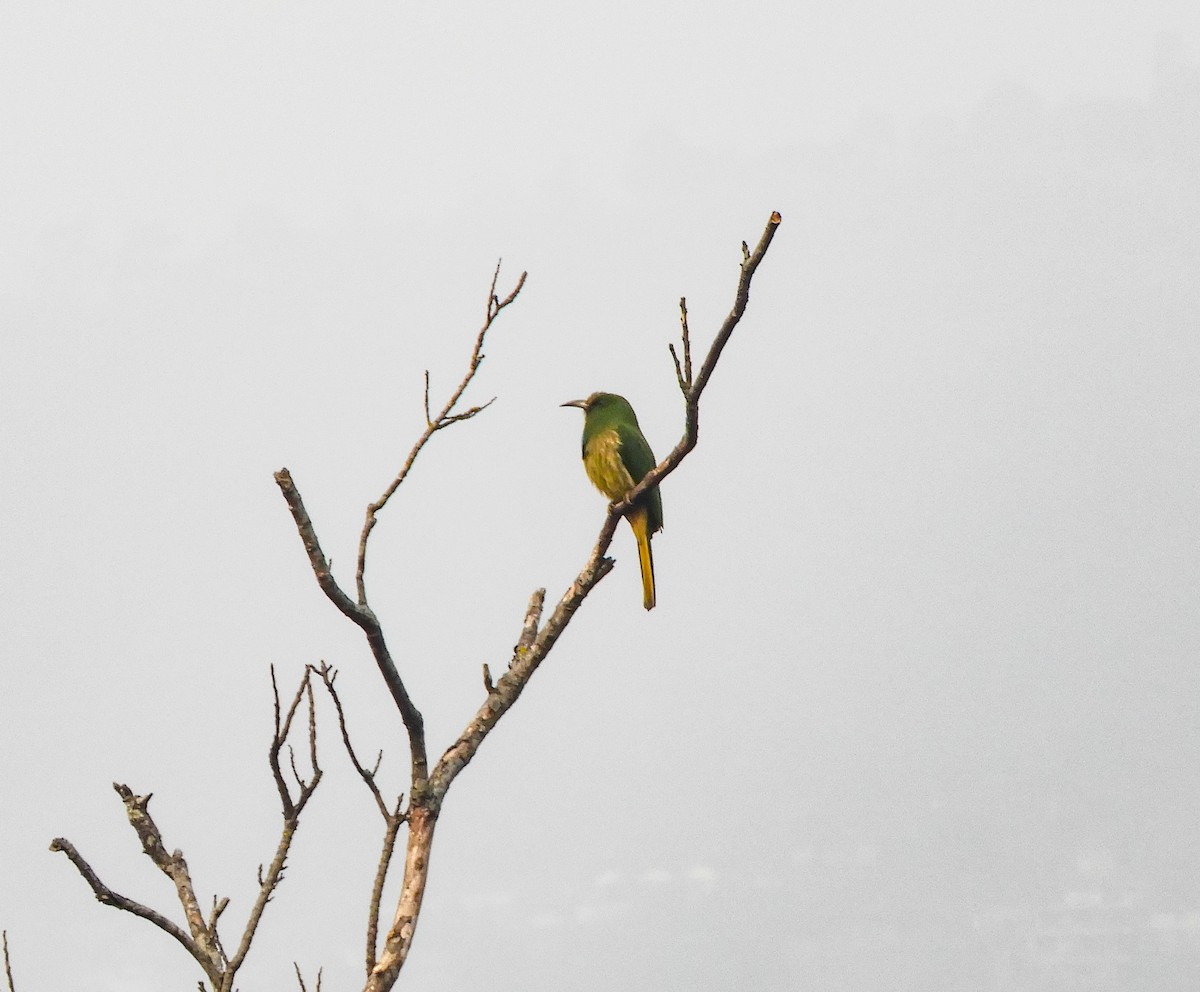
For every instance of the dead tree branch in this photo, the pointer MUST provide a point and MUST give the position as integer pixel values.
(8, 966)
(201, 939)
(199, 944)
(300, 978)
(359, 611)
(445, 417)
(291, 809)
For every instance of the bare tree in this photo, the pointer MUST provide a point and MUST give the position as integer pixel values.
(428, 785)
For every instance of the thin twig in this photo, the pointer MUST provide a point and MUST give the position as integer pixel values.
(683, 386)
(268, 883)
(300, 978)
(8, 965)
(683, 375)
(686, 336)
(466, 414)
(691, 433)
(687, 340)
(393, 819)
(291, 809)
(444, 418)
(328, 675)
(280, 735)
(295, 771)
(750, 263)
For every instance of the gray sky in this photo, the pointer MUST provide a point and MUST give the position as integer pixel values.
(926, 636)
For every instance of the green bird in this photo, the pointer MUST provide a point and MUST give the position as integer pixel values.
(616, 458)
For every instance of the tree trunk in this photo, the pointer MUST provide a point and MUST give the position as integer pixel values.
(422, 819)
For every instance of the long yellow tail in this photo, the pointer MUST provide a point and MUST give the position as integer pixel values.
(639, 523)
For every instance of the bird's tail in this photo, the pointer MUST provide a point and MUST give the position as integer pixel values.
(640, 523)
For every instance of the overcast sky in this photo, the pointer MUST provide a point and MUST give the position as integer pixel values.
(927, 631)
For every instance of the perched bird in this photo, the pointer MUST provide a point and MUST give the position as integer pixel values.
(616, 458)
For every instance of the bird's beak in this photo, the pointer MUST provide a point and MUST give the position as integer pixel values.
(582, 404)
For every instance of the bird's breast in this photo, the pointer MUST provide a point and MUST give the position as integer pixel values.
(602, 460)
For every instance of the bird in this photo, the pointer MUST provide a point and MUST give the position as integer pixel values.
(616, 457)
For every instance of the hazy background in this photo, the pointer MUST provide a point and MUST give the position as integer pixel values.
(918, 708)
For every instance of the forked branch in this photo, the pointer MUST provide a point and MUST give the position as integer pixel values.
(300, 978)
(291, 806)
(443, 419)
(359, 609)
(201, 939)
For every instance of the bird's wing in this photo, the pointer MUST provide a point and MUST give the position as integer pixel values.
(639, 459)
(635, 451)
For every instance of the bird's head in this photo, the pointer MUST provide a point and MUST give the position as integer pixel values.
(602, 403)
